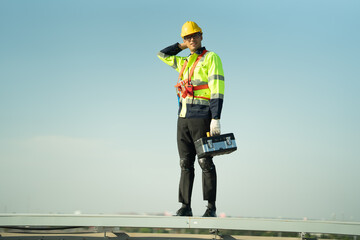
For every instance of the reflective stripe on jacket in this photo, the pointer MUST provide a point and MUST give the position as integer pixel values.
(208, 71)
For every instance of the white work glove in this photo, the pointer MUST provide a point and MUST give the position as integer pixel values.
(215, 127)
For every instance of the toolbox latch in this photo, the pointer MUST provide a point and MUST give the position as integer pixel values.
(210, 144)
(228, 141)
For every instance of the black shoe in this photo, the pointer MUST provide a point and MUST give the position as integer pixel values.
(210, 212)
(184, 211)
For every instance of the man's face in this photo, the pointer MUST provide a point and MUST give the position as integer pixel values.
(193, 41)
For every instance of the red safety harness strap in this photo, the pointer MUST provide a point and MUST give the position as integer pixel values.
(185, 87)
(182, 70)
(200, 87)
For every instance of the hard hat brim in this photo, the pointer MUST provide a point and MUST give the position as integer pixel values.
(183, 36)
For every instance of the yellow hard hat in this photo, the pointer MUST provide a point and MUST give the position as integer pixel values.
(189, 28)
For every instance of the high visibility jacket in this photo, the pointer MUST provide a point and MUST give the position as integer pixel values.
(206, 102)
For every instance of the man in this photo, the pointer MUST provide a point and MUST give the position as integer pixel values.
(200, 92)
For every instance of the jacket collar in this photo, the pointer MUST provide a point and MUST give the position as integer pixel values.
(199, 51)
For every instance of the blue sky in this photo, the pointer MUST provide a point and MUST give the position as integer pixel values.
(88, 111)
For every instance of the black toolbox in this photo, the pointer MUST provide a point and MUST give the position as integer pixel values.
(216, 145)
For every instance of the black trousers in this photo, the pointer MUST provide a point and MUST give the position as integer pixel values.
(188, 131)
